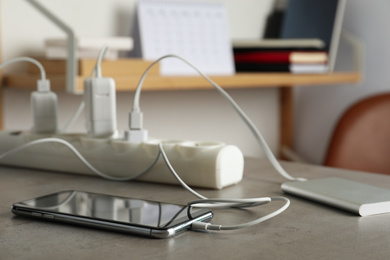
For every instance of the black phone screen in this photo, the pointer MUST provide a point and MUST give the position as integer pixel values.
(138, 212)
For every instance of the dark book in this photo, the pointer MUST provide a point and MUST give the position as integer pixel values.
(262, 67)
(282, 57)
(281, 67)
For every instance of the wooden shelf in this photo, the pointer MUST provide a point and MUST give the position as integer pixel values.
(156, 82)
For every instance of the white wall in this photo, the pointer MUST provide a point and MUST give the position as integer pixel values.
(318, 109)
(23, 29)
(193, 115)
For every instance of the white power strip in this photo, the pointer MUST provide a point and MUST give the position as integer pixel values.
(208, 164)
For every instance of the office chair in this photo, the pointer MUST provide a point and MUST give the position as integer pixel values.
(361, 139)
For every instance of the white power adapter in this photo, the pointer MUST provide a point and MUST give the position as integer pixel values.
(100, 106)
(43, 102)
(44, 109)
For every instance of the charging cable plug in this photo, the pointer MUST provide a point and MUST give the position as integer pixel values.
(136, 134)
(100, 107)
(204, 226)
(44, 106)
(43, 85)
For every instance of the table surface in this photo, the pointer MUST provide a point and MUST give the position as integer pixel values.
(306, 230)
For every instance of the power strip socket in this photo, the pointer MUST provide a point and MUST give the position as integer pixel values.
(200, 164)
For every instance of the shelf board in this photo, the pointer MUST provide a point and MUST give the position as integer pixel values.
(156, 82)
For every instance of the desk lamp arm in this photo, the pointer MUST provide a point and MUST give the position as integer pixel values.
(71, 63)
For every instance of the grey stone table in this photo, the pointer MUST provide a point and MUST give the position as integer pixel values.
(305, 230)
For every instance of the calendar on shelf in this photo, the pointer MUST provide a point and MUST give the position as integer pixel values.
(196, 31)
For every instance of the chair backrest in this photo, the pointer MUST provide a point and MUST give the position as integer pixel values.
(361, 139)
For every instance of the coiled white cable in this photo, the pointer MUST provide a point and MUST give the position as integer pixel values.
(221, 203)
(217, 203)
(241, 113)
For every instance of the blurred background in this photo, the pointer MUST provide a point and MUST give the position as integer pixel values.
(202, 114)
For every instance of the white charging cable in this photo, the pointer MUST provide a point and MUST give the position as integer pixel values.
(136, 123)
(79, 155)
(136, 113)
(97, 71)
(28, 59)
(217, 203)
(75, 117)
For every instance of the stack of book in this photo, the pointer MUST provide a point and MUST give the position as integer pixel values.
(88, 47)
(294, 56)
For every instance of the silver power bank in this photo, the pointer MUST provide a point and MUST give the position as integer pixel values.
(358, 198)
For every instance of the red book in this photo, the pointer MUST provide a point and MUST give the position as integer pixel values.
(288, 57)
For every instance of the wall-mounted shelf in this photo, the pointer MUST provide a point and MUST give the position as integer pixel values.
(156, 82)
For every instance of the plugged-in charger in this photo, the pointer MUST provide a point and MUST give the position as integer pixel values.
(100, 106)
(44, 109)
(43, 102)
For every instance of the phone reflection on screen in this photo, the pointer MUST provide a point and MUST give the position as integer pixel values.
(112, 208)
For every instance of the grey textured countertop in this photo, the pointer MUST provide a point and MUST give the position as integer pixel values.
(306, 230)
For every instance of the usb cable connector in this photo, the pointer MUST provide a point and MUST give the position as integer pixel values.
(204, 226)
(136, 133)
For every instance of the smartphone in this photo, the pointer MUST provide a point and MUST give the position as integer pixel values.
(129, 215)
